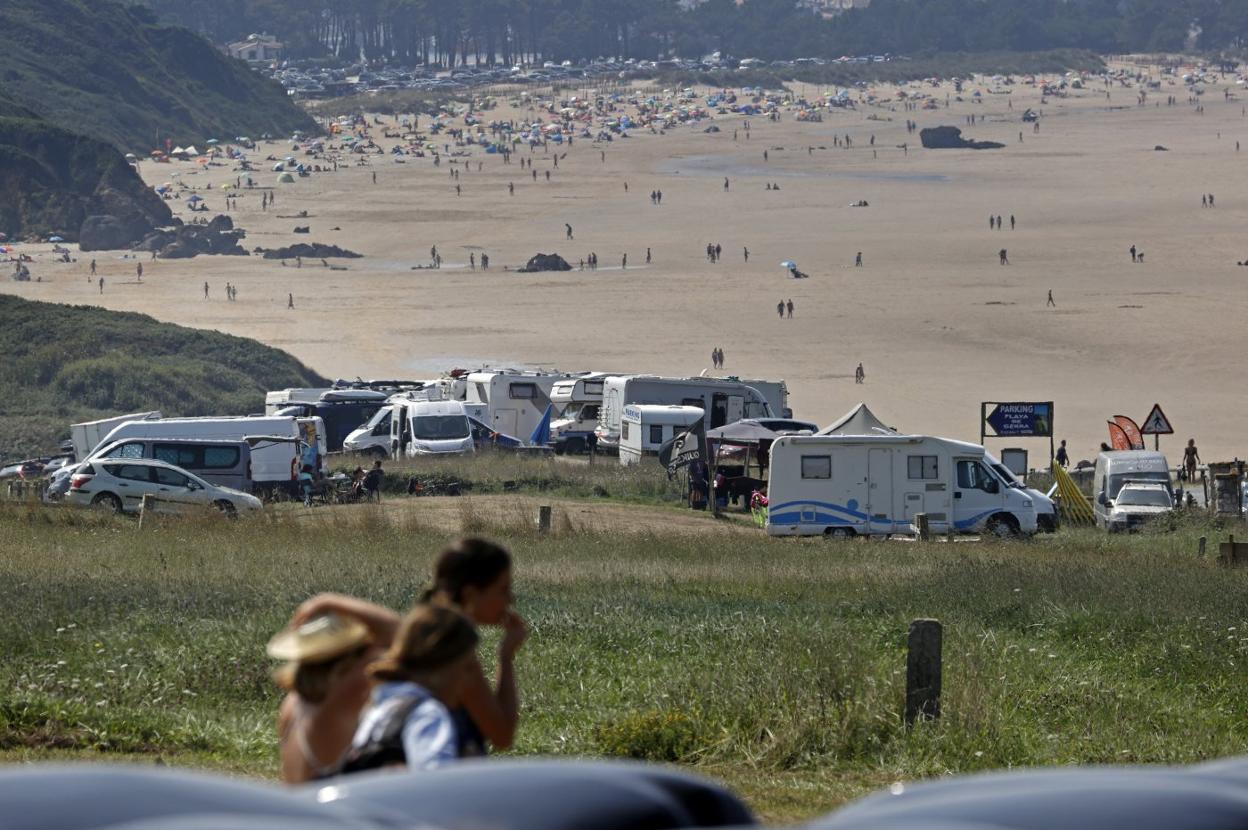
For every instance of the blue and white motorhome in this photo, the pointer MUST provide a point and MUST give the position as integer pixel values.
(873, 485)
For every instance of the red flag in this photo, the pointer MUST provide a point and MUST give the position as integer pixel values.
(1117, 438)
(1132, 431)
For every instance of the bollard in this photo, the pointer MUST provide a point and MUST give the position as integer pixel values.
(148, 501)
(543, 519)
(923, 671)
(924, 527)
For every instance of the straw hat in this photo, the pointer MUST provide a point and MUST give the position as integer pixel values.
(431, 637)
(321, 638)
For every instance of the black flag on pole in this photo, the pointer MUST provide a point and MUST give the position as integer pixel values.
(684, 449)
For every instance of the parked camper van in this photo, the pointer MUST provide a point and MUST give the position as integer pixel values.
(373, 436)
(1116, 468)
(579, 402)
(645, 427)
(223, 463)
(860, 485)
(514, 402)
(775, 391)
(342, 410)
(87, 436)
(429, 428)
(273, 463)
(722, 401)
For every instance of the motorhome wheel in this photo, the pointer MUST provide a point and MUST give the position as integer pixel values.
(107, 501)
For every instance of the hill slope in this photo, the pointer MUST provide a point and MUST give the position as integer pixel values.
(112, 72)
(51, 180)
(73, 363)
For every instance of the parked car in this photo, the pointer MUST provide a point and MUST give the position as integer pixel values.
(120, 485)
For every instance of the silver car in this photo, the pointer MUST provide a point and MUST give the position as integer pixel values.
(120, 484)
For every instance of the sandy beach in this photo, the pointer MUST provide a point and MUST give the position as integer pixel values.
(937, 322)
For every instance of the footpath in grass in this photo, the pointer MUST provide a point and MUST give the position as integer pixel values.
(776, 666)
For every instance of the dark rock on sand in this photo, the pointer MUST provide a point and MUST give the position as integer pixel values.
(219, 236)
(950, 138)
(545, 262)
(315, 250)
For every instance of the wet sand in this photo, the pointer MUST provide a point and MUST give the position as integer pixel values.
(938, 324)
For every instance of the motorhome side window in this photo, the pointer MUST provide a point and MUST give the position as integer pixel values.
(522, 391)
(816, 466)
(973, 476)
(134, 450)
(593, 387)
(656, 433)
(220, 458)
(923, 467)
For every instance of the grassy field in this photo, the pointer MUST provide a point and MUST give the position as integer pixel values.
(776, 666)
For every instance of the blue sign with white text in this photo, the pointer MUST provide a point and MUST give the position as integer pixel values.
(1021, 419)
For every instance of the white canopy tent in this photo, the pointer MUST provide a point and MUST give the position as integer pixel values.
(859, 421)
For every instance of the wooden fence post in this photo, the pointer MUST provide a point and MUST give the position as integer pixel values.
(924, 527)
(543, 519)
(148, 501)
(923, 671)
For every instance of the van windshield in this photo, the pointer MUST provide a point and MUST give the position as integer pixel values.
(439, 427)
(1116, 482)
(1145, 496)
(1006, 475)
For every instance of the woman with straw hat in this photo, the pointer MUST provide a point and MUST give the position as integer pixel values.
(328, 645)
(420, 678)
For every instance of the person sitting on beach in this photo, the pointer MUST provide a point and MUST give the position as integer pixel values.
(328, 643)
(421, 678)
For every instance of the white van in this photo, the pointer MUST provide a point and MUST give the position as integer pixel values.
(866, 485)
(429, 428)
(646, 427)
(722, 401)
(1118, 467)
(373, 436)
(272, 462)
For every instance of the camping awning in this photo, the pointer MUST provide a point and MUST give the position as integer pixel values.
(859, 421)
(742, 433)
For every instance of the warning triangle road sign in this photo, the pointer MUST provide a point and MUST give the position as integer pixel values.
(1156, 423)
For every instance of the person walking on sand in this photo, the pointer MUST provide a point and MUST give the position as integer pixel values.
(725, 184)
(101, 285)
(624, 262)
(93, 267)
(1132, 249)
(1011, 221)
(569, 229)
(472, 261)
(205, 289)
(647, 256)
(746, 253)
(780, 309)
(1005, 260)
(992, 222)
(1050, 303)
(1204, 201)
(290, 300)
(858, 260)
(138, 269)
(789, 307)
(860, 375)
(1191, 459)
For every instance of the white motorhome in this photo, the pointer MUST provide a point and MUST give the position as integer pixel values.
(514, 401)
(1118, 467)
(775, 391)
(272, 463)
(429, 428)
(722, 401)
(579, 402)
(645, 427)
(867, 485)
(87, 436)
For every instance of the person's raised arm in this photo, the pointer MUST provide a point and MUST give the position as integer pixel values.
(496, 712)
(381, 622)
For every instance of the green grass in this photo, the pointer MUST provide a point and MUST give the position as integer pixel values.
(774, 665)
(66, 364)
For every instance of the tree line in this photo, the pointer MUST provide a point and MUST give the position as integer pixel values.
(453, 32)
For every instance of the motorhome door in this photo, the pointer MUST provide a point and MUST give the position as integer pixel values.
(398, 419)
(880, 485)
(505, 421)
(726, 409)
